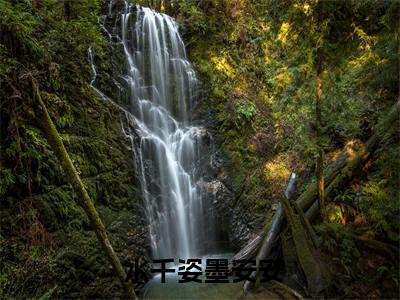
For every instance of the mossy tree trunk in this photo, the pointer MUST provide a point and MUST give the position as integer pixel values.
(343, 168)
(74, 179)
(318, 116)
(273, 230)
(317, 276)
(348, 165)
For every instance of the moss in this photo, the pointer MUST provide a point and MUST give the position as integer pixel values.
(39, 212)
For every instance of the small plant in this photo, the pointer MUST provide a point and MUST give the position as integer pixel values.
(245, 114)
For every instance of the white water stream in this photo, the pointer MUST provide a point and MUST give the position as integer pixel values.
(160, 87)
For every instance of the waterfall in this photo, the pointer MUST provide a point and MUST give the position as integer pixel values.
(158, 89)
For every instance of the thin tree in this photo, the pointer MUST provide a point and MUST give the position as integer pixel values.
(318, 114)
(318, 119)
(57, 145)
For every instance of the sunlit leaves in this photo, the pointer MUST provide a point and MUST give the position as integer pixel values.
(222, 65)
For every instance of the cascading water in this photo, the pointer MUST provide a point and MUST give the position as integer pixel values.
(156, 90)
(159, 87)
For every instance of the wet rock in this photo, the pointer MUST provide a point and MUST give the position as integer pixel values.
(230, 221)
(240, 229)
(217, 167)
(275, 206)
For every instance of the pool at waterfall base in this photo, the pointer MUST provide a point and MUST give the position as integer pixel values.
(172, 289)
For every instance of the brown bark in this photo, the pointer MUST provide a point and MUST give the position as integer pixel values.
(158, 5)
(320, 158)
(339, 171)
(346, 168)
(314, 271)
(272, 231)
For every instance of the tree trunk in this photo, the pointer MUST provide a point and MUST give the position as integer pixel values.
(305, 201)
(314, 271)
(273, 231)
(74, 179)
(158, 5)
(338, 172)
(320, 158)
(381, 247)
(345, 168)
(266, 246)
(67, 9)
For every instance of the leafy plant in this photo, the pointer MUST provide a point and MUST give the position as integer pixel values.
(245, 114)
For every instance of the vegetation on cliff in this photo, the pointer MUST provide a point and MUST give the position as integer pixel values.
(46, 242)
(259, 65)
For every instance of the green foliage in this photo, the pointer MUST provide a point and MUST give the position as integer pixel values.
(376, 198)
(379, 202)
(39, 212)
(259, 74)
(191, 14)
(6, 63)
(256, 60)
(8, 180)
(18, 18)
(347, 254)
(48, 294)
(245, 114)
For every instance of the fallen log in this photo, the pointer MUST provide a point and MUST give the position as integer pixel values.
(306, 224)
(74, 179)
(345, 169)
(354, 163)
(251, 249)
(381, 247)
(288, 289)
(271, 237)
(266, 246)
(305, 251)
(341, 169)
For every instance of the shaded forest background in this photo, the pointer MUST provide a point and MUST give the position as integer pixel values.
(258, 63)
